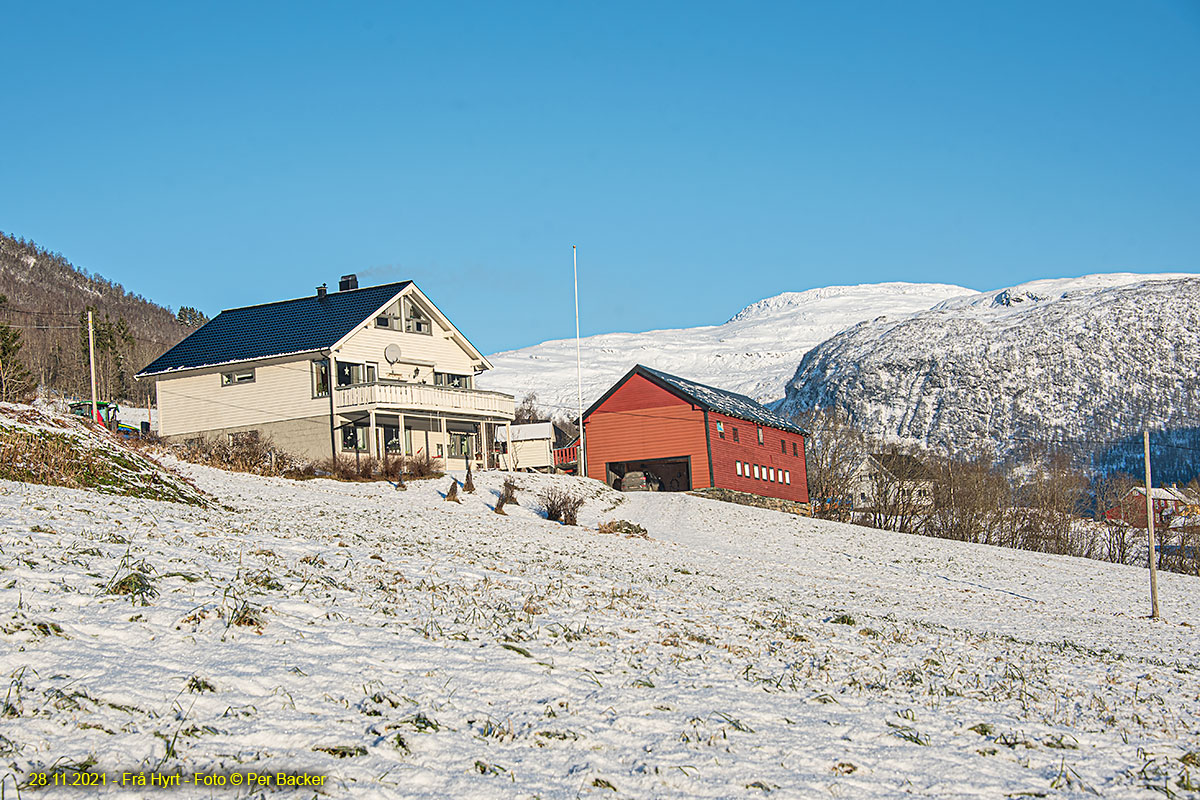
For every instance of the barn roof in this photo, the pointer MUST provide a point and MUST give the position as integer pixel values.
(709, 398)
(303, 325)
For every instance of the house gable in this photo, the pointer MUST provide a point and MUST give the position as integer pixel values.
(442, 329)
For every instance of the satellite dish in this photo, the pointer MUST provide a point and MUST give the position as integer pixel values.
(392, 353)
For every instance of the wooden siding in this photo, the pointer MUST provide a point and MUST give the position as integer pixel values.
(726, 452)
(416, 351)
(528, 454)
(642, 421)
(195, 402)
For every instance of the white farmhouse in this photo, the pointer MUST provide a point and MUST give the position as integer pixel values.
(371, 371)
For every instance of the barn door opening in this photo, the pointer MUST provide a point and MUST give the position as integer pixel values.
(651, 475)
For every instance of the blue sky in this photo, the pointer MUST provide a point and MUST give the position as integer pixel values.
(701, 155)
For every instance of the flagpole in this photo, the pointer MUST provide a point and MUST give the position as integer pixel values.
(580, 459)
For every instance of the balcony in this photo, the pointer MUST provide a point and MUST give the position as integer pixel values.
(399, 396)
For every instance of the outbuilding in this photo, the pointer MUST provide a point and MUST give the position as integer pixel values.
(659, 431)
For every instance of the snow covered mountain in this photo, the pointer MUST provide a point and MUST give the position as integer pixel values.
(754, 353)
(1093, 358)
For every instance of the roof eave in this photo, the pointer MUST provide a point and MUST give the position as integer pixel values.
(190, 367)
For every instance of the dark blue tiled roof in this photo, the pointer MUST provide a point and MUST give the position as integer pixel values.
(273, 329)
(711, 398)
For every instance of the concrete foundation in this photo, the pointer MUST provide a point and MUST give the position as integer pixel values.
(304, 438)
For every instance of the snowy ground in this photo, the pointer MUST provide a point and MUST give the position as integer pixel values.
(408, 647)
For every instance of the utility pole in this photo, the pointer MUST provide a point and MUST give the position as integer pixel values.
(1150, 531)
(581, 457)
(92, 365)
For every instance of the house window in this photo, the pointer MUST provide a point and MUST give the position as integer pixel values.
(760, 436)
(735, 433)
(320, 378)
(239, 376)
(721, 433)
(386, 321)
(349, 373)
(756, 470)
(354, 437)
(460, 445)
(794, 451)
(738, 465)
(452, 380)
(416, 320)
(783, 445)
(787, 477)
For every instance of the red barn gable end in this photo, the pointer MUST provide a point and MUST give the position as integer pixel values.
(685, 435)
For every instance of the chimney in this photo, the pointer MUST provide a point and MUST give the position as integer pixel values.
(348, 282)
(321, 291)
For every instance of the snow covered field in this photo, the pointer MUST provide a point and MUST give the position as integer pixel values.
(408, 647)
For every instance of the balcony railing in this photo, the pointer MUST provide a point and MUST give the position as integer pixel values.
(423, 397)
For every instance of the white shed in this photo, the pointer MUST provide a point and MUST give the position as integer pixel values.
(532, 446)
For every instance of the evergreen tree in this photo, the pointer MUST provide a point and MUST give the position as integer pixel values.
(191, 317)
(14, 378)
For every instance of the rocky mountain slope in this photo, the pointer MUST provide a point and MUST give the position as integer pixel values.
(754, 353)
(1089, 360)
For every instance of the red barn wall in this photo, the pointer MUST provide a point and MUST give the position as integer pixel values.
(639, 421)
(726, 452)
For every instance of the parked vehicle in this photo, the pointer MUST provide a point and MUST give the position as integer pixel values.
(106, 415)
(640, 482)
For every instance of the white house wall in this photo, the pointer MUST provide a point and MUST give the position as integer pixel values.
(196, 401)
(416, 350)
(530, 454)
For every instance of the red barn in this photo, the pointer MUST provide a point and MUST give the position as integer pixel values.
(675, 435)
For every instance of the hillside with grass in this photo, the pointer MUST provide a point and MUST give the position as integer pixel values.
(667, 646)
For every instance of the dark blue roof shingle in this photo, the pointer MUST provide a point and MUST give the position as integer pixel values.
(273, 329)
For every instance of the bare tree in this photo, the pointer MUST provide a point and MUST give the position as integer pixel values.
(834, 452)
(527, 411)
(901, 493)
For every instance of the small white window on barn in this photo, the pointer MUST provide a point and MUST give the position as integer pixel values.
(240, 376)
(772, 474)
(738, 465)
(787, 477)
(760, 436)
(756, 470)
(721, 432)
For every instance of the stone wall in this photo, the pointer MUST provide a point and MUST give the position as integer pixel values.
(758, 501)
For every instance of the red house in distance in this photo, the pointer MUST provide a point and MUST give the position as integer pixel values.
(677, 435)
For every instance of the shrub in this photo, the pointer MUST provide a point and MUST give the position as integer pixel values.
(422, 466)
(469, 483)
(560, 505)
(508, 492)
(245, 453)
(452, 492)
